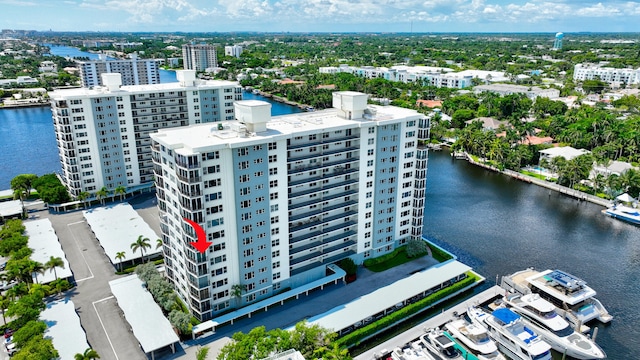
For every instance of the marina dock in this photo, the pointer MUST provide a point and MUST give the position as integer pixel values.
(436, 321)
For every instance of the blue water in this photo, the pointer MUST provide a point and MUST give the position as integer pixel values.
(276, 107)
(167, 76)
(27, 143)
(67, 51)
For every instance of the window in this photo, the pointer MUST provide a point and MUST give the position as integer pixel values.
(275, 253)
(273, 196)
(273, 171)
(273, 183)
(371, 130)
(273, 146)
(370, 141)
(370, 152)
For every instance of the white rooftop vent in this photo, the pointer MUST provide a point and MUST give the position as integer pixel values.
(112, 81)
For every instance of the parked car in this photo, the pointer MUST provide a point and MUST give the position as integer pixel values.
(8, 340)
(8, 333)
(3, 266)
(11, 349)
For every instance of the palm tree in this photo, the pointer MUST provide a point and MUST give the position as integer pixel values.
(141, 243)
(88, 354)
(36, 268)
(53, 263)
(83, 196)
(159, 243)
(120, 190)
(102, 194)
(202, 352)
(237, 290)
(120, 255)
(4, 303)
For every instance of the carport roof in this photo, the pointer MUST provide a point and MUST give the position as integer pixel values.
(148, 324)
(116, 227)
(44, 243)
(374, 302)
(64, 329)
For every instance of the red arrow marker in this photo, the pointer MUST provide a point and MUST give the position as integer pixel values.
(202, 244)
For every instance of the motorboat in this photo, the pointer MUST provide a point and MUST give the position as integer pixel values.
(441, 344)
(475, 338)
(511, 334)
(416, 350)
(541, 316)
(575, 300)
(624, 213)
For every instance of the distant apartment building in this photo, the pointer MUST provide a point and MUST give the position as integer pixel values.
(612, 76)
(532, 92)
(133, 71)
(281, 198)
(93, 43)
(233, 50)
(103, 133)
(199, 57)
(427, 75)
(48, 66)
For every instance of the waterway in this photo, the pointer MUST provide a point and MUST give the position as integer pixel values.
(493, 223)
(499, 225)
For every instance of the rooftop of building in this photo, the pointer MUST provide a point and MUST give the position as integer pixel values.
(509, 87)
(45, 244)
(196, 138)
(103, 90)
(64, 328)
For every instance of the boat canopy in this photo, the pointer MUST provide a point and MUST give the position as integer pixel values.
(506, 316)
(625, 198)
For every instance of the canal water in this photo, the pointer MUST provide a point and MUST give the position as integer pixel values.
(499, 225)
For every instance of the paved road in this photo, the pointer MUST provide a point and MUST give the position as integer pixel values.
(107, 331)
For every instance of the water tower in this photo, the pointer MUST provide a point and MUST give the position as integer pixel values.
(557, 44)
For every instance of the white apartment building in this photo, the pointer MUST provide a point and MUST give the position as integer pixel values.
(103, 133)
(281, 198)
(199, 57)
(609, 75)
(532, 92)
(133, 71)
(427, 75)
(233, 50)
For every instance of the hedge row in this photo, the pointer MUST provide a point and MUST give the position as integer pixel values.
(439, 254)
(358, 335)
(383, 258)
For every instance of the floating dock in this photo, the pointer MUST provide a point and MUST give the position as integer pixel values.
(435, 321)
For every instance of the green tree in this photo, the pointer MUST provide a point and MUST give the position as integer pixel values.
(53, 263)
(24, 183)
(31, 329)
(120, 256)
(120, 190)
(82, 197)
(159, 243)
(236, 292)
(182, 321)
(141, 244)
(202, 352)
(102, 194)
(89, 354)
(37, 348)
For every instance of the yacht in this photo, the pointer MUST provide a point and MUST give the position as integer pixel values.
(575, 300)
(441, 344)
(475, 338)
(624, 213)
(542, 317)
(513, 337)
(416, 350)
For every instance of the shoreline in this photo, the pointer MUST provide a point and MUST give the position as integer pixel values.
(576, 194)
(17, 106)
(277, 98)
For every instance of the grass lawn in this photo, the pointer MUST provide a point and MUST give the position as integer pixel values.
(399, 259)
(532, 174)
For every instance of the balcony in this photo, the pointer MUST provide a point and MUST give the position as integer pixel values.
(322, 187)
(323, 141)
(321, 198)
(192, 179)
(321, 210)
(321, 153)
(300, 168)
(322, 241)
(320, 232)
(336, 172)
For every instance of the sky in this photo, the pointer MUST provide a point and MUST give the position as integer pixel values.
(322, 15)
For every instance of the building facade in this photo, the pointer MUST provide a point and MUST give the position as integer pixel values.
(103, 133)
(282, 198)
(613, 76)
(199, 57)
(133, 71)
(233, 50)
(532, 92)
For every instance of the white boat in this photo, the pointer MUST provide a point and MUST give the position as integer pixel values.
(475, 338)
(575, 300)
(416, 350)
(513, 337)
(556, 331)
(625, 213)
(436, 340)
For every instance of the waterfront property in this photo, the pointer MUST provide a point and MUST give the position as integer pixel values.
(103, 133)
(281, 198)
(133, 71)
(381, 302)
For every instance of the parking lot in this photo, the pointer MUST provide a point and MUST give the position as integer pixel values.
(107, 331)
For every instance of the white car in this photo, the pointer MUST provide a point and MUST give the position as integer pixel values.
(11, 348)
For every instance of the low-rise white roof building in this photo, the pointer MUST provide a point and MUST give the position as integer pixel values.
(116, 227)
(613, 168)
(566, 152)
(45, 244)
(64, 329)
(532, 92)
